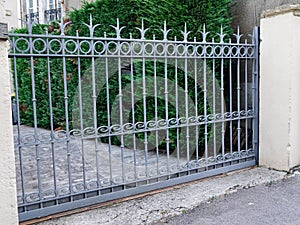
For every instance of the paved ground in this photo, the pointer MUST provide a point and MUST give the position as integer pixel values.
(61, 164)
(182, 199)
(265, 204)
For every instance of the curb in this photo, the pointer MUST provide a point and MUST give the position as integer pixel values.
(153, 207)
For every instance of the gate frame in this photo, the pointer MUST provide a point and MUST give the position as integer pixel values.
(177, 178)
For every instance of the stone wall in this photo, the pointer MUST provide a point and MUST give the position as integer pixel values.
(247, 13)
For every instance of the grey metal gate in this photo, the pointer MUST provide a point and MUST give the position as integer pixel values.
(124, 116)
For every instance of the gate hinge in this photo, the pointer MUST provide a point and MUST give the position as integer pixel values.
(3, 31)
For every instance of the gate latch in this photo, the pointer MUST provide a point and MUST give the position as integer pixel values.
(3, 31)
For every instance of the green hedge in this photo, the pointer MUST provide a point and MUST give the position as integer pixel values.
(194, 13)
(130, 13)
(40, 66)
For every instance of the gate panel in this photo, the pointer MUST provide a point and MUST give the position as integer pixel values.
(124, 116)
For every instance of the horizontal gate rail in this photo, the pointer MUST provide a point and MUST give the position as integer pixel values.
(101, 118)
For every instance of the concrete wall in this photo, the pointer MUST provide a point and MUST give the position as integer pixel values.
(279, 127)
(8, 199)
(247, 12)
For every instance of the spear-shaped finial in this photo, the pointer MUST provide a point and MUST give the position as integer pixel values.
(118, 29)
(204, 33)
(165, 31)
(185, 33)
(221, 34)
(142, 30)
(238, 35)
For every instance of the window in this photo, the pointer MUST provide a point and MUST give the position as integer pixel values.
(53, 11)
(32, 10)
(32, 6)
(53, 4)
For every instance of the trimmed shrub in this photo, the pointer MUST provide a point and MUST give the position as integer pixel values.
(195, 13)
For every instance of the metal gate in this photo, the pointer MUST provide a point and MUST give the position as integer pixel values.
(101, 118)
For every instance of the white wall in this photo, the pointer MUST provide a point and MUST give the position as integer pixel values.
(279, 127)
(8, 199)
(12, 11)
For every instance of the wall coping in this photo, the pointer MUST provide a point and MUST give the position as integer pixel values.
(295, 9)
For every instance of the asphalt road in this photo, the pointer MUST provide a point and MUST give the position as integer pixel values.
(274, 204)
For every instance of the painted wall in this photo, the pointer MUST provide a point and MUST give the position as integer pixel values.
(279, 120)
(12, 12)
(8, 199)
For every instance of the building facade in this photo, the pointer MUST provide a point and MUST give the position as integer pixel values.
(19, 12)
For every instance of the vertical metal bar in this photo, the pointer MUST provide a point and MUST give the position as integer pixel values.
(51, 119)
(155, 108)
(67, 114)
(177, 108)
(80, 112)
(167, 108)
(186, 93)
(246, 101)
(132, 110)
(94, 97)
(230, 101)
(196, 103)
(145, 115)
(239, 102)
(214, 107)
(222, 105)
(121, 108)
(108, 111)
(205, 107)
(34, 100)
(19, 124)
